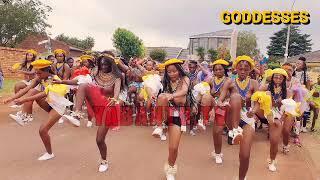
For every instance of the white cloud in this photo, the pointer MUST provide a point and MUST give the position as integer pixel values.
(166, 22)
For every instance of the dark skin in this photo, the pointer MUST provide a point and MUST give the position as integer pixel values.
(179, 98)
(314, 108)
(65, 71)
(111, 92)
(40, 98)
(275, 126)
(28, 75)
(300, 65)
(219, 72)
(193, 69)
(243, 69)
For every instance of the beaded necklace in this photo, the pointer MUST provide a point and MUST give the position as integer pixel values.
(243, 86)
(218, 83)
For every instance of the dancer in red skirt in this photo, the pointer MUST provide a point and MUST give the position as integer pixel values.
(102, 97)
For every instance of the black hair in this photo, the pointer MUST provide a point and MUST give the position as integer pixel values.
(193, 62)
(191, 101)
(304, 69)
(225, 69)
(50, 56)
(69, 59)
(25, 63)
(114, 68)
(283, 87)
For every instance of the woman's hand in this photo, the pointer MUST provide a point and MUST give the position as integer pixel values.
(250, 114)
(7, 101)
(56, 81)
(19, 101)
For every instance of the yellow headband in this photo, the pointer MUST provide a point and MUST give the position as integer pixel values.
(86, 57)
(221, 62)
(280, 71)
(32, 52)
(59, 51)
(243, 58)
(173, 61)
(41, 63)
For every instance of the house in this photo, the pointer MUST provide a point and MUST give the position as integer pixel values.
(312, 61)
(39, 43)
(213, 40)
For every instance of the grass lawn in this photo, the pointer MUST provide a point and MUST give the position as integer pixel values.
(7, 87)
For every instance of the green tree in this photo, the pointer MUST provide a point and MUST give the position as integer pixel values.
(223, 53)
(158, 55)
(298, 43)
(20, 18)
(213, 54)
(201, 53)
(85, 44)
(247, 44)
(128, 43)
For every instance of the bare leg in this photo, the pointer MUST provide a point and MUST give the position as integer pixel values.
(235, 103)
(18, 86)
(45, 127)
(315, 115)
(206, 106)
(27, 106)
(174, 140)
(245, 148)
(162, 104)
(287, 126)
(274, 137)
(217, 138)
(100, 139)
(80, 96)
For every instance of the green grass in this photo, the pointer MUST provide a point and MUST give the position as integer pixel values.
(7, 87)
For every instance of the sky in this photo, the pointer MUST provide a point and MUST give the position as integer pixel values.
(168, 22)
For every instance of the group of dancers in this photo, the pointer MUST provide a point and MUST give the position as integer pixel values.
(174, 96)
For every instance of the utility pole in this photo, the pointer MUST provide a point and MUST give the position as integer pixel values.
(288, 37)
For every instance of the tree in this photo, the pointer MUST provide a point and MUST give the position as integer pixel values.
(128, 43)
(158, 54)
(298, 43)
(85, 44)
(247, 44)
(19, 19)
(213, 54)
(201, 53)
(223, 53)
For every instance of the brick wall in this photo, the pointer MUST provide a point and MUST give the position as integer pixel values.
(8, 57)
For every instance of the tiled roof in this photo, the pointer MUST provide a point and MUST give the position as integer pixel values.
(172, 52)
(221, 33)
(312, 57)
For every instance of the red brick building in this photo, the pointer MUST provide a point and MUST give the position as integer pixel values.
(31, 42)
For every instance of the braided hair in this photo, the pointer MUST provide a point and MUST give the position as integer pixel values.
(167, 87)
(283, 88)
